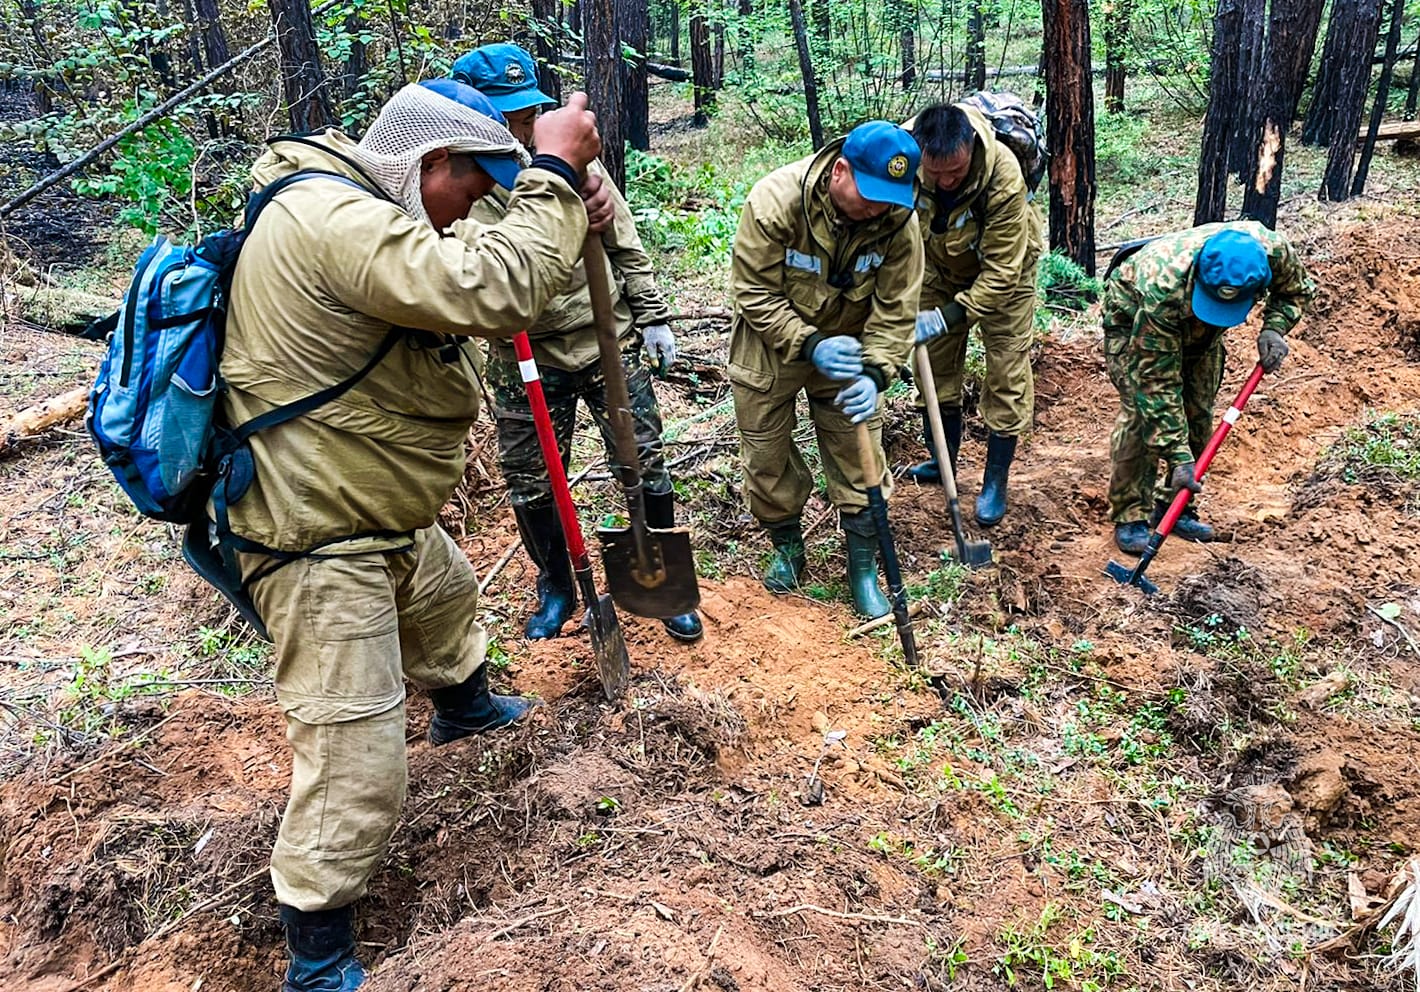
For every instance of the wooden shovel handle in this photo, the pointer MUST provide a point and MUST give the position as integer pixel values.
(618, 399)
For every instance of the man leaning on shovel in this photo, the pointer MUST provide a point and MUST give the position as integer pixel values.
(826, 271)
(564, 343)
(1166, 308)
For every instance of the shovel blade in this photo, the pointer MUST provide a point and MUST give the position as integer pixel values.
(1126, 576)
(609, 647)
(975, 554)
(670, 591)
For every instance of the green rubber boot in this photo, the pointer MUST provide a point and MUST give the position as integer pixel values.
(862, 539)
(787, 565)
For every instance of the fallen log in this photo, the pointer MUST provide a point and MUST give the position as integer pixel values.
(40, 417)
(1393, 131)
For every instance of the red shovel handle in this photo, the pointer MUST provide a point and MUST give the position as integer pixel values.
(561, 492)
(1200, 468)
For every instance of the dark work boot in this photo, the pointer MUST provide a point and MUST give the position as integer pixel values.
(861, 536)
(660, 514)
(1131, 538)
(1189, 527)
(929, 471)
(322, 949)
(787, 566)
(469, 708)
(556, 595)
(991, 502)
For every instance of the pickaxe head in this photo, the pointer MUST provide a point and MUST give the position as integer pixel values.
(1126, 576)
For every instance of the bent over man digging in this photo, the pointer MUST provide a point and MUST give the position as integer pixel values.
(346, 566)
(564, 343)
(981, 239)
(824, 282)
(1166, 309)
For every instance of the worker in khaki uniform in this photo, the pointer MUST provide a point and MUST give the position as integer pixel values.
(825, 277)
(335, 524)
(982, 238)
(564, 344)
(1167, 305)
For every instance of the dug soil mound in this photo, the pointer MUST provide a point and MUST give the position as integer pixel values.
(1082, 788)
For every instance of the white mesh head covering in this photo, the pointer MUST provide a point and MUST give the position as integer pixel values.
(416, 121)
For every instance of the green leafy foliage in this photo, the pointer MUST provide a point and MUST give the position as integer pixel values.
(148, 169)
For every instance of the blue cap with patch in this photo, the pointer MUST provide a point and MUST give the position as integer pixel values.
(504, 73)
(1232, 270)
(503, 168)
(884, 158)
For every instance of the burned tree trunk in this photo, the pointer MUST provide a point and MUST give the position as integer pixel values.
(1412, 95)
(717, 75)
(632, 16)
(1116, 48)
(1225, 98)
(1251, 84)
(675, 32)
(1291, 39)
(357, 63)
(601, 51)
(546, 46)
(1317, 127)
(976, 46)
(904, 19)
(1392, 42)
(1070, 116)
(1359, 24)
(806, 68)
(702, 68)
(302, 78)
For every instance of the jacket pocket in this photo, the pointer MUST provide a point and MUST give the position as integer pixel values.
(806, 291)
(749, 363)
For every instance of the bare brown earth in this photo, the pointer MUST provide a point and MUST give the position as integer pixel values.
(984, 826)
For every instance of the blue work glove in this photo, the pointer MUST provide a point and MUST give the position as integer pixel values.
(858, 399)
(930, 324)
(839, 357)
(660, 347)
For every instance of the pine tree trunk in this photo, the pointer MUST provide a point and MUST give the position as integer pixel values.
(702, 68)
(717, 78)
(1392, 42)
(1316, 128)
(1360, 23)
(806, 69)
(1412, 96)
(1070, 116)
(1225, 93)
(548, 14)
(1116, 48)
(1251, 85)
(976, 46)
(1291, 39)
(675, 33)
(632, 17)
(302, 77)
(601, 51)
(357, 63)
(908, 42)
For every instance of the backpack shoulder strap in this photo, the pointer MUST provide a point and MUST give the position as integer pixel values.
(301, 139)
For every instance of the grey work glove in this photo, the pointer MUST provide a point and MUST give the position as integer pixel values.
(858, 399)
(938, 321)
(660, 347)
(1182, 478)
(1271, 349)
(839, 357)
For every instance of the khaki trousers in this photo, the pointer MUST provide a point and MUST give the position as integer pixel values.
(348, 629)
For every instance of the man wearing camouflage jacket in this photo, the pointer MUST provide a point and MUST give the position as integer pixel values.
(1166, 308)
(826, 271)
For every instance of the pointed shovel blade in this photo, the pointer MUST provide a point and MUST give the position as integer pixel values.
(609, 647)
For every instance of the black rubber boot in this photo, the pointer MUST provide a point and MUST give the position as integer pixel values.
(1131, 538)
(929, 471)
(660, 514)
(991, 502)
(787, 566)
(469, 708)
(861, 536)
(322, 949)
(1188, 527)
(556, 595)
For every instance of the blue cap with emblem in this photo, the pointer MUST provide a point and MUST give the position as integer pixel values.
(884, 158)
(1232, 270)
(504, 73)
(503, 168)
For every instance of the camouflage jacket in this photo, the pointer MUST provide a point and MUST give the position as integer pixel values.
(1149, 323)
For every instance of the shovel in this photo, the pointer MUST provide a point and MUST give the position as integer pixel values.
(972, 554)
(609, 647)
(1135, 576)
(650, 572)
(867, 458)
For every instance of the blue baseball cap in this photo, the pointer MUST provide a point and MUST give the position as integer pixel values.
(1232, 270)
(884, 158)
(504, 73)
(503, 168)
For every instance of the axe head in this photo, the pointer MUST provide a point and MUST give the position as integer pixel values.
(1126, 576)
